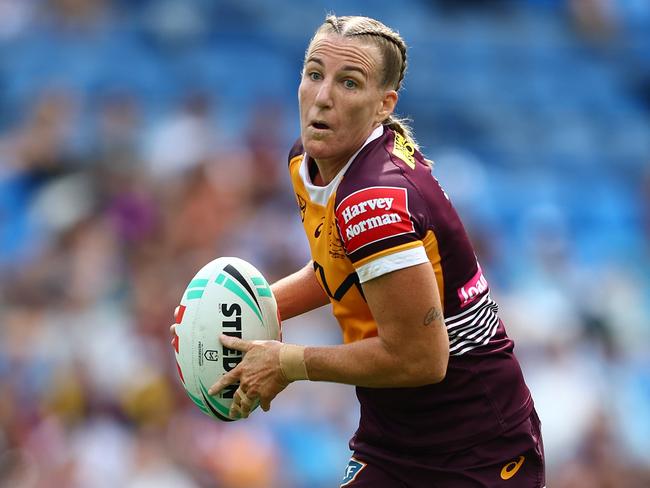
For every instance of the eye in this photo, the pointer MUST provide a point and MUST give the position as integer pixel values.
(314, 76)
(350, 84)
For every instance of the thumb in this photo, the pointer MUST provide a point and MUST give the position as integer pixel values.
(266, 406)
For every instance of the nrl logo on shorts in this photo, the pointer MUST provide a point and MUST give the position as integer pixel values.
(352, 470)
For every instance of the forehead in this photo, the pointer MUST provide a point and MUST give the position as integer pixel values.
(336, 49)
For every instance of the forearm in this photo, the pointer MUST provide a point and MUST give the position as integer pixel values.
(372, 363)
(411, 347)
(299, 293)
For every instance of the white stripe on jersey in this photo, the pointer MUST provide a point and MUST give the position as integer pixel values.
(474, 327)
(464, 346)
(469, 312)
(392, 262)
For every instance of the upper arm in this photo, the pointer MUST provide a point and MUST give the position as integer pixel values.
(382, 221)
(406, 307)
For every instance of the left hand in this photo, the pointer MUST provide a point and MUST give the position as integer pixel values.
(259, 374)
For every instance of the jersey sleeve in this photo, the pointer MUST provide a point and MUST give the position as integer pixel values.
(381, 228)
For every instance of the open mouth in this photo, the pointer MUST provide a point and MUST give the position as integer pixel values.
(320, 125)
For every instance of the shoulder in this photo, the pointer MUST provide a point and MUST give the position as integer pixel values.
(379, 204)
(392, 161)
(388, 168)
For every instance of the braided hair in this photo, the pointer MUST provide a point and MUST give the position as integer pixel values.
(392, 48)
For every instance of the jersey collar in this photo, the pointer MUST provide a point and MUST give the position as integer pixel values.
(321, 194)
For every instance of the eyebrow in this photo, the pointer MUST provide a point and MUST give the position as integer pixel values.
(345, 68)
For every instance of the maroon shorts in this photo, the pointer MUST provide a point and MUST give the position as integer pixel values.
(513, 460)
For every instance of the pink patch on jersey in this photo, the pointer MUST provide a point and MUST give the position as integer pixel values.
(373, 214)
(473, 288)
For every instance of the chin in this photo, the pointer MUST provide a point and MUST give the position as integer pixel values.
(317, 149)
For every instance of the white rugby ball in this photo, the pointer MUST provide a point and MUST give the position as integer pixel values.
(229, 296)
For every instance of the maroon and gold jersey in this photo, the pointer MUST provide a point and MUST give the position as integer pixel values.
(383, 212)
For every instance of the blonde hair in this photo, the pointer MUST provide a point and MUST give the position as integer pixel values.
(393, 51)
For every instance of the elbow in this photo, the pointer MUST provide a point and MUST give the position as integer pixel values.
(415, 367)
(436, 371)
(439, 371)
(439, 362)
(429, 372)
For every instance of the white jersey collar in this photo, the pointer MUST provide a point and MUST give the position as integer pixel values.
(320, 194)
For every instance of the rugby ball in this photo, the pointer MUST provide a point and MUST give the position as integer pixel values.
(227, 296)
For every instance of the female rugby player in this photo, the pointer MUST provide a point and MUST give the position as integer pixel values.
(443, 400)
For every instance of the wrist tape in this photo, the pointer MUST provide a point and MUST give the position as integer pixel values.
(292, 362)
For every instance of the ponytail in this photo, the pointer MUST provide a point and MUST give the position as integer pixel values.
(401, 126)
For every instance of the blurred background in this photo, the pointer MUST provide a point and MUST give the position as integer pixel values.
(140, 139)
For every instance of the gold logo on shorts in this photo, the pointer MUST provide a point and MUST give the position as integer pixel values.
(510, 469)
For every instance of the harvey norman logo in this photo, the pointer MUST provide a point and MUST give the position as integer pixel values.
(363, 208)
(372, 204)
(372, 214)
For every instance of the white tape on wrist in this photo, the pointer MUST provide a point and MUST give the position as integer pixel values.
(292, 362)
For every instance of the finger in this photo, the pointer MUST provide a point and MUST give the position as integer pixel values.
(172, 329)
(241, 396)
(234, 411)
(266, 406)
(236, 343)
(246, 403)
(226, 380)
(237, 409)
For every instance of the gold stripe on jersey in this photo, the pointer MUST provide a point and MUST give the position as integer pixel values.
(299, 156)
(431, 247)
(334, 271)
(387, 252)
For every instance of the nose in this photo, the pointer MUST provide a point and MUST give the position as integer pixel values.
(324, 94)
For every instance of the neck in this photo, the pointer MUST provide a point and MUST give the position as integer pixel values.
(328, 169)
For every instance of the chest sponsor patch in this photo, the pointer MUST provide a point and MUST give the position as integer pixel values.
(473, 288)
(373, 214)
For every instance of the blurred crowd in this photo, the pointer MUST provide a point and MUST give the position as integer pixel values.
(140, 139)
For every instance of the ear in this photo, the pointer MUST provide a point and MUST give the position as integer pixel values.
(387, 106)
